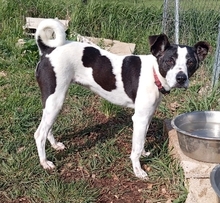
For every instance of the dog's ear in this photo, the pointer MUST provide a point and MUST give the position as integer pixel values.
(158, 44)
(202, 49)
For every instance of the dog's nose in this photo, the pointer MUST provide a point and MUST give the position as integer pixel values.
(181, 78)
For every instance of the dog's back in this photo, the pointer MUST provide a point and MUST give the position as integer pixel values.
(89, 65)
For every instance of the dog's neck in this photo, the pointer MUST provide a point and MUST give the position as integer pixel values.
(158, 84)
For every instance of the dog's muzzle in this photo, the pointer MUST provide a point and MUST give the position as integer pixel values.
(181, 79)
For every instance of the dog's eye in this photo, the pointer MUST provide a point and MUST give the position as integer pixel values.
(190, 62)
(170, 62)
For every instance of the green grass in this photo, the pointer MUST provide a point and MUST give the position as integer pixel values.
(95, 167)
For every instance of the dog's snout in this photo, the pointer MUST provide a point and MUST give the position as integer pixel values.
(181, 78)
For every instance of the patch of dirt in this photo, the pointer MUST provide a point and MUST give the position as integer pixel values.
(119, 190)
(119, 185)
(111, 189)
(3, 199)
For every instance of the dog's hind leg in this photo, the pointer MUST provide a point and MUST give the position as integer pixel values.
(53, 94)
(53, 106)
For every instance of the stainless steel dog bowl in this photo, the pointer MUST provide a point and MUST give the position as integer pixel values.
(199, 135)
(215, 181)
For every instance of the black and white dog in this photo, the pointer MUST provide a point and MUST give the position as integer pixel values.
(136, 81)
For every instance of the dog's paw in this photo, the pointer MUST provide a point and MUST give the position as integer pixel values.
(144, 153)
(59, 146)
(48, 165)
(141, 174)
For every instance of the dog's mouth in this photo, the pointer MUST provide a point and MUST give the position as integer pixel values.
(183, 86)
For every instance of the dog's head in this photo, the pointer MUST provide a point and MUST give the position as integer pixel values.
(177, 63)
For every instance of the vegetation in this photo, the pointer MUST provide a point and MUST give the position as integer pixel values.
(95, 167)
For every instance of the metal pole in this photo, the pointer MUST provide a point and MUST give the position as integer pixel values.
(164, 23)
(216, 67)
(177, 21)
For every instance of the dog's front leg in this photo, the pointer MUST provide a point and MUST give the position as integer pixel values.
(140, 126)
(56, 145)
(141, 121)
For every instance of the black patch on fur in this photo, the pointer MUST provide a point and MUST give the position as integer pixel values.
(131, 69)
(44, 48)
(46, 78)
(167, 60)
(192, 61)
(102, 68)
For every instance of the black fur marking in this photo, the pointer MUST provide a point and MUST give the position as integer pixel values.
(44, 48)
(131, 69)
(46, 78)
(167, 60)
(102, 68)
(192, 61)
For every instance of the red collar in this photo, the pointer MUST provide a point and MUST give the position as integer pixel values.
(158, 84)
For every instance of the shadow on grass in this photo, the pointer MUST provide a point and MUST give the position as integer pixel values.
(119, 127)
(104, 130)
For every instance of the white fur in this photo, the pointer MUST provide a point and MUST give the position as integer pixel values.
(68, 67)
(47, 28)
(179, 66)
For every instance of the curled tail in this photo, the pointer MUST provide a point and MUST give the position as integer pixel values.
(50, 33)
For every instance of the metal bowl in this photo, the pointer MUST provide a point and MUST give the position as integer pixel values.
(215, 181)
(199, 135)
